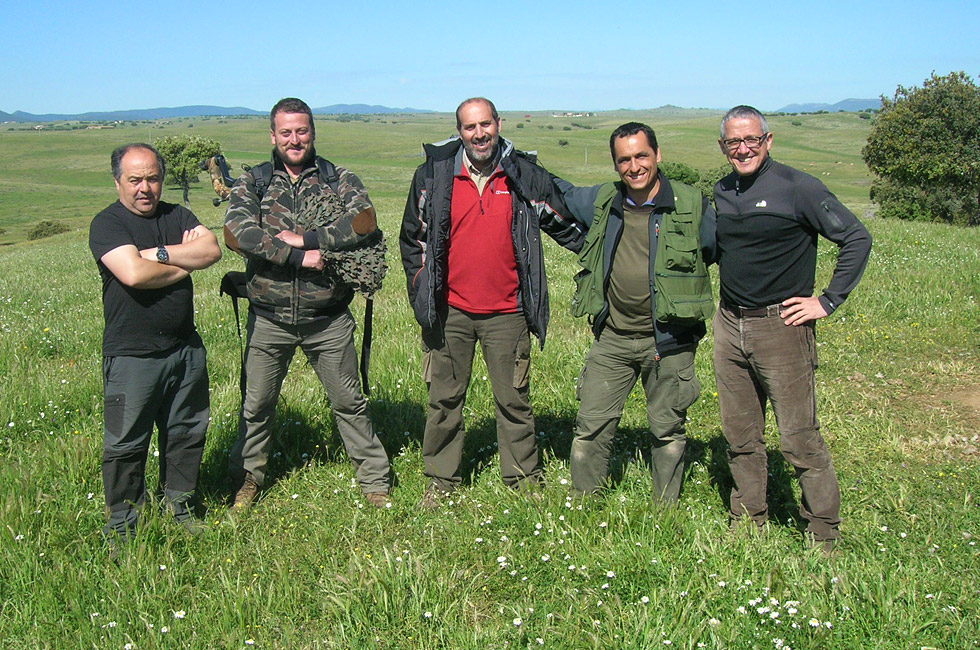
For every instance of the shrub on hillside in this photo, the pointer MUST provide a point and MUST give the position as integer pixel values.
(924, 148)
(46, 228)
(703, 180)
(680, 172)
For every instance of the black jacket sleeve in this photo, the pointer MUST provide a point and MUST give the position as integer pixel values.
(555, 218)
(828, 216)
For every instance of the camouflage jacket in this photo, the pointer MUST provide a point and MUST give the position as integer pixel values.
(279, 287)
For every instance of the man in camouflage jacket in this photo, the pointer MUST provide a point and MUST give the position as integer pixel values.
(291, 234)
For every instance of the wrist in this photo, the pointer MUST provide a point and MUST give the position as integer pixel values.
(310, 240)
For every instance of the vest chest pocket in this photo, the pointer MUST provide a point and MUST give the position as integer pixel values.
(680, 242)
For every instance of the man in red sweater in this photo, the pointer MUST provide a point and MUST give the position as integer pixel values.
(471, 249)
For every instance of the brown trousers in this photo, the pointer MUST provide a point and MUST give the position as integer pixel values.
(758, 358)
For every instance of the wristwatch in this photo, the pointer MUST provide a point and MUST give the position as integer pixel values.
(162, 255)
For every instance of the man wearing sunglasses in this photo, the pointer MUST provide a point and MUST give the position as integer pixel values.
(768, 218)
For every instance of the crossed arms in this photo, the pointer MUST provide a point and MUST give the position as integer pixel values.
(140, 269)
(273, 236)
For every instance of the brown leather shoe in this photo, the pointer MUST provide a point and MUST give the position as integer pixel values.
(432, 498)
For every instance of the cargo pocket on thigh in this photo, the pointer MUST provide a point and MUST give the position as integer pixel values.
(114, 412)
(580, 381)
(113, 406)
(522, 362)
(688, 387)
(427, 366)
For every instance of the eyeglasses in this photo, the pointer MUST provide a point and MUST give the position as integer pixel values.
(752, 142)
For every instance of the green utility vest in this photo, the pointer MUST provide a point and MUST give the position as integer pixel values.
(681, 284)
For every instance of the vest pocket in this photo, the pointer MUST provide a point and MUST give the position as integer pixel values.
(588, 299)
(683, 298)
(680, 244)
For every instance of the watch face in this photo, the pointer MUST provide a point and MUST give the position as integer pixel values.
(162, 254)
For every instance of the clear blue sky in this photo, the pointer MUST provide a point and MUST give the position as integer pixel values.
(73, 57)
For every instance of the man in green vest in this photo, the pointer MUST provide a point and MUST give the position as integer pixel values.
(646, 289)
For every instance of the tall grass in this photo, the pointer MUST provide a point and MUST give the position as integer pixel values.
(311, 567)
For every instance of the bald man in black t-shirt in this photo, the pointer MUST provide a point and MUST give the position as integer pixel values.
(154, 368)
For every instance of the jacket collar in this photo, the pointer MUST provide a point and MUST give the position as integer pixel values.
(744, 182)
(662, 200)
(453, 148)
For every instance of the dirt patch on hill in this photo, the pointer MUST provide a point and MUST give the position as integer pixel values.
(962, 407)
(968, 397)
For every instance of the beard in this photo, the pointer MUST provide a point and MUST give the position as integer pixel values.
(481, 158)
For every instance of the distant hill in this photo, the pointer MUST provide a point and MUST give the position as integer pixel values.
(190, 111)
(337, 109)
(364, 109)
(135, 114)
(844, 105)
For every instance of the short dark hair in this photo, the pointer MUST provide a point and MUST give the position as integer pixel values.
(742, 112)
(493, 109)
(115, 160)
(290, 105)
(628, 129)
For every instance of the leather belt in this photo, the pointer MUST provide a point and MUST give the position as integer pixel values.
(770, 311)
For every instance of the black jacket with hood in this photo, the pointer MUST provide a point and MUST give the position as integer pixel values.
(424, 239)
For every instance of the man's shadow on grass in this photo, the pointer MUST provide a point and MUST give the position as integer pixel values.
(632, 445)
(784, 509)
(298, 441)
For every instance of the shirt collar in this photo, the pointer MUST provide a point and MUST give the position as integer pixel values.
(662, 200)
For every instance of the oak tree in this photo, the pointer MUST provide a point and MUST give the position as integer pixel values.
(183, 155)
(924, 148)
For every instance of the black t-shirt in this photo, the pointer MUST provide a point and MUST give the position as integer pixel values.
(142, 321)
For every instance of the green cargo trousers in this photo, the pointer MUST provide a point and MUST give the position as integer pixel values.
(329, 347)
(506, 347)
(612, 366)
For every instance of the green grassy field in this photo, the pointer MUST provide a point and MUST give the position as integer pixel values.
(64, 174)
(310, 567)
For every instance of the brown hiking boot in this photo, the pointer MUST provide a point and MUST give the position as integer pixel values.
(377, 499)
(246, 494)
(431, 498)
